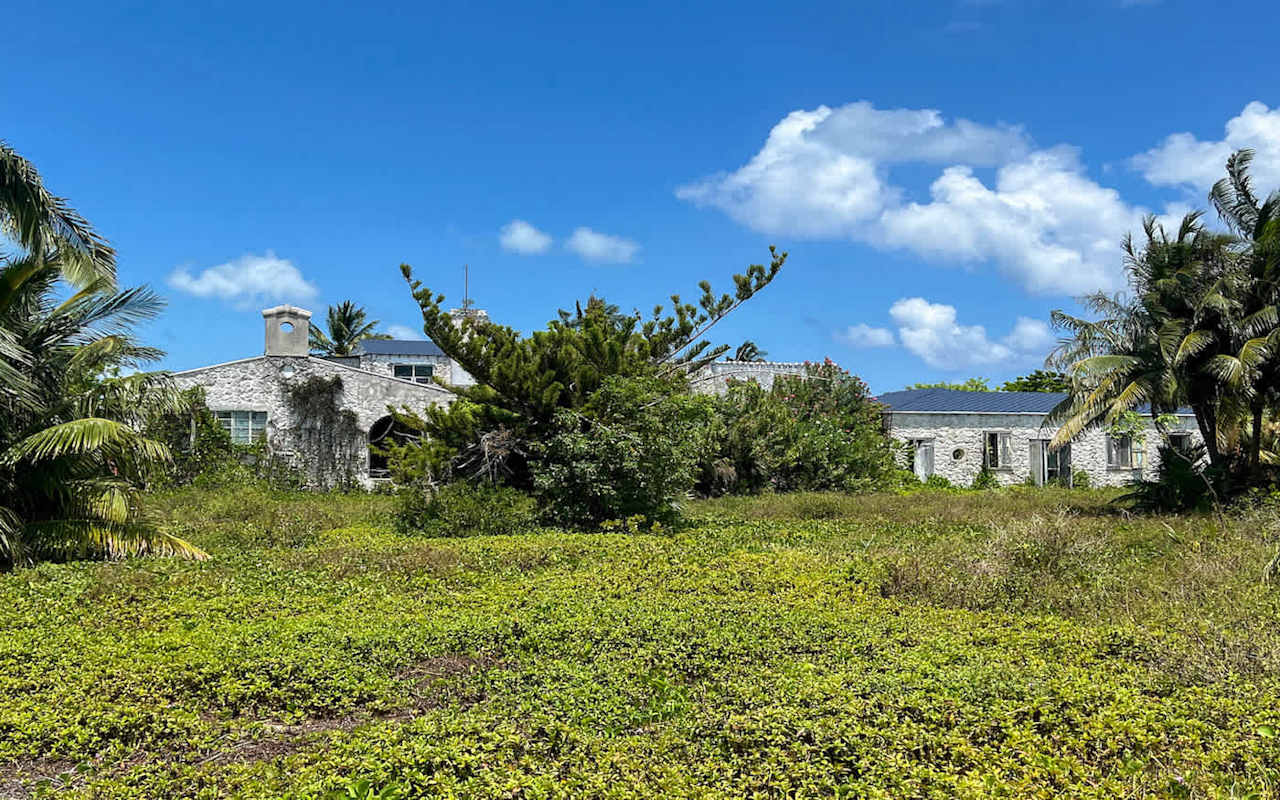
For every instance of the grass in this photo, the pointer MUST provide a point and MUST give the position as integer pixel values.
(1015, 643)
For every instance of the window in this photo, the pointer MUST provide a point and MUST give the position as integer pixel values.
(1181, 443)
(922, 457)
(244, 426)
(414, 372)
(1050, 466)
(996, 452)
(1124, 452)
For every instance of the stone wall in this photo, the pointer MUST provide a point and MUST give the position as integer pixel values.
(964, 432)
(262, 384)
(385, 364)
(714, 378)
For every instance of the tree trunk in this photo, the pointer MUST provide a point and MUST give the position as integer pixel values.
(1255, 446)
(1207, 422)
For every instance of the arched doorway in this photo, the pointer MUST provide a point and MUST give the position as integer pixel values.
(383, 432)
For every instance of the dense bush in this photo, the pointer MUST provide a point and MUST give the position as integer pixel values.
(1181, 483)
(464, 508)
(813, 432)
(632, 450)
(985, 479)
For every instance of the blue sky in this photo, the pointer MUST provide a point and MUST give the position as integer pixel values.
(943, 174)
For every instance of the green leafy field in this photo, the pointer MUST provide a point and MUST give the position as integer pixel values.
(1021, 643)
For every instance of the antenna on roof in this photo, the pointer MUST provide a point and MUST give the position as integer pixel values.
(466, 287)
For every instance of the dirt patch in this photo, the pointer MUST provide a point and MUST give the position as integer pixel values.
(18, 778)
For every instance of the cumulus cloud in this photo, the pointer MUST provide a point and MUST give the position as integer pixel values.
(247, 281)
(601, 247)
(827, 174)
(864, 336)
(931, 332)
(405, 332)
(519, 236)
(1183, 160)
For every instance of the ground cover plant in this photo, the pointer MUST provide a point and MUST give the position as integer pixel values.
(1027, 643)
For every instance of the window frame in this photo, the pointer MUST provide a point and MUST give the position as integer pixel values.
(1135, 452)
(915, 445)
(416, 372)
(251, 421)
(1003, 450)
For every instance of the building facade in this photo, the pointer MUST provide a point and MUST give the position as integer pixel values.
(954, 434)
(258, 398)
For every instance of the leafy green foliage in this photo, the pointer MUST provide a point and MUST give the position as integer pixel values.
(812, 432)
(1040, 380)
(985, 479)
(1182, 483)
(72, 457)
(631, 451)
(201, 447)
(465, 509)
(932, 645)
(968, 385)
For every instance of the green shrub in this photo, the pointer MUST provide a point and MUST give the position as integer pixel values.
(937, 481)
(985, 479)
(816, 432)
(631, 451)
(1180, 484)
(465, 509)
(1080, 479)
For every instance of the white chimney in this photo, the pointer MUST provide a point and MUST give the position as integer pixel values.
(288, 330)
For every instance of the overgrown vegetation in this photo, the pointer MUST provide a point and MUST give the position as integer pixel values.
(1011, 643)
(1199, 328)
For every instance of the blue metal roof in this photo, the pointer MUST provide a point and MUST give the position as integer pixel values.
(944, 401)
(400, 347)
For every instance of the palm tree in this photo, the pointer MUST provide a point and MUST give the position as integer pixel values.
(1154, 346)
(749, 351)
(46, 231)
(37, 230)
(1251, 367)
(347, 328)
(72, 459)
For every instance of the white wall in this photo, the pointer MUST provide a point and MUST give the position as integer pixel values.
(951, 432)
(260, 384)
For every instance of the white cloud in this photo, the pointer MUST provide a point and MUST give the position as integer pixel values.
(826, 173)
(246, 281)
(863, 335)
(519, 236)
(931, 332)
(1183, 160)
(405, 332)
(602, 247)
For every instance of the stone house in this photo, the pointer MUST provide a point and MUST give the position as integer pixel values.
(326, 435)
(954, 434)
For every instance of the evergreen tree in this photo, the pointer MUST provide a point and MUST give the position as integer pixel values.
(524, 382)
(1041, 380)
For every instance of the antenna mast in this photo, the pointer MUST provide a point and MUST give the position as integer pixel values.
(466, 287)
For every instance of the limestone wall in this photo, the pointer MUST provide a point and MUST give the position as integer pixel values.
(962, 434)
(714, 378)
(262, 384)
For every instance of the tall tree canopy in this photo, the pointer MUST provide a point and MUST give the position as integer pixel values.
(1199, 327)
(347, 327)
(523, 381)
(1040, 380)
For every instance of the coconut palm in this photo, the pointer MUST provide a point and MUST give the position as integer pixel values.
(45, 231)
(1251, 366)
(347, 328)
(72, 459)
(1152, 346)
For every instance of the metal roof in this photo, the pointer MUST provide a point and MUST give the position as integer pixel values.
(400, 347)
(952, 401)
